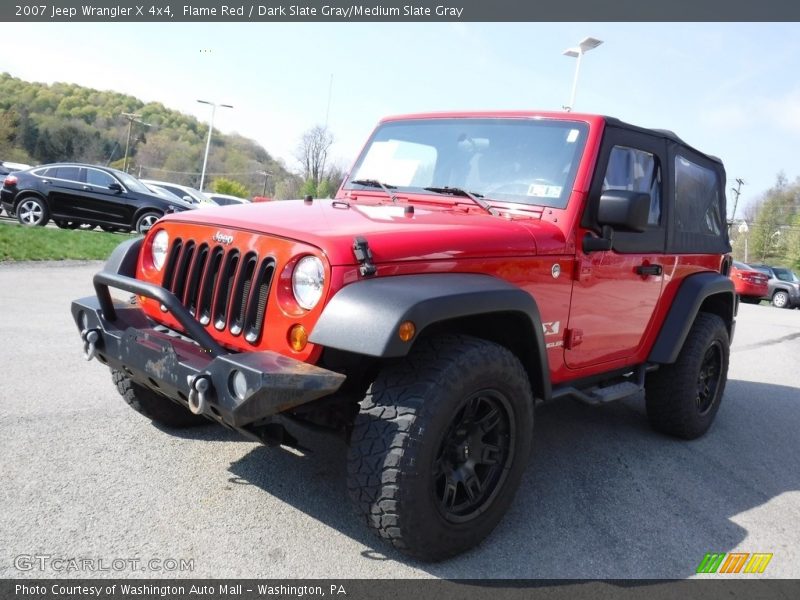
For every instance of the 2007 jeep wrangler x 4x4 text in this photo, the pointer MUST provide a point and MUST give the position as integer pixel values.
(471, 265)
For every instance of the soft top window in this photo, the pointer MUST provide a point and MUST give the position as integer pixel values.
(699, 206)
(531, 161)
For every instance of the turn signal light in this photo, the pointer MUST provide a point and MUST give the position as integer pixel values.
(298, 337)
(406, 330)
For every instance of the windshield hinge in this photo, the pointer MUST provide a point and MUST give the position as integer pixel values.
(364, 257)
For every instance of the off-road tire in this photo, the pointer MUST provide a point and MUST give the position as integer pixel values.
(405, 419)
(675, 394)
(155, 407)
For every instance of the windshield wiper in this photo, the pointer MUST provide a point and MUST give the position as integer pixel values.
(454, 191)
(375, 183)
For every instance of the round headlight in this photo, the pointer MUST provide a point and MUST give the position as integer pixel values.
(159, 249)
(308, 280)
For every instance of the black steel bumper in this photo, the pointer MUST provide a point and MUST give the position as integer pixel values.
(123, 337)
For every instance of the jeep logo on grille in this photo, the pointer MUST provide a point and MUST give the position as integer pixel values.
(221, 238)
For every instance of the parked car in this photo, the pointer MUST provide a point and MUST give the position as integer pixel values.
(474, 265)
(188, 194)
(751, 284)
(73, 194)
(6, 168)
(227, 200)
(783, 284)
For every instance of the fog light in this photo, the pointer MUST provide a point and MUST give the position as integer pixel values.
(298, 337)
(238, 385)
(406, 330)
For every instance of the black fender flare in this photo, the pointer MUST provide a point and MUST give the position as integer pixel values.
(124, 257)
(695, 291)
(363, 317)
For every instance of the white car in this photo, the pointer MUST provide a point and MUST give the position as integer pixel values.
(184, 192)
(227, 200)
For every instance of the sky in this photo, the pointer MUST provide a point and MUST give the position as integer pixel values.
(729, 89)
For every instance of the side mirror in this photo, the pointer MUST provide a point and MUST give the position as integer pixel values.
(623, 210)
(618, 210)
(189, 199)
(115, 187)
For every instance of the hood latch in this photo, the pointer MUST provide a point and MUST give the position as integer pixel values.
(364, 257)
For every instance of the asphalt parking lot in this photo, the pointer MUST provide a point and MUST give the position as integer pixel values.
(84, 476)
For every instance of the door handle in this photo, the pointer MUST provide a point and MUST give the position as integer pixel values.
(645, 270)
(45, 181)
(87, 187)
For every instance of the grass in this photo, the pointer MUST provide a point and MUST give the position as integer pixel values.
(41, 243)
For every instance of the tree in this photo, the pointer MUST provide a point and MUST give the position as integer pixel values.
(312, 152)
(230, 187)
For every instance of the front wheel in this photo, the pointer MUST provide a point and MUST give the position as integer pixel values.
(780, 299)
(146, 221)
(683, 398)
(155, 407)
(440, 445)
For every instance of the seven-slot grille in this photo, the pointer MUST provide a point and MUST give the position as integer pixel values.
(226, 288)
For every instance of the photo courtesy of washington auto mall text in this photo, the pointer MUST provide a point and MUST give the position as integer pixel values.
(445, 299)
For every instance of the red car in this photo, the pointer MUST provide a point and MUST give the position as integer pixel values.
(471, 266)
(751, 285)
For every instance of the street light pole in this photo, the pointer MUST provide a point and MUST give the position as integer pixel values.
(577, 52)
(208, 141)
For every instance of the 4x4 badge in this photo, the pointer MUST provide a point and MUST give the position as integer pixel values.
(221, 238)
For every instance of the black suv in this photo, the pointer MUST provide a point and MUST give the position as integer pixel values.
(784, 286)
(75, 194)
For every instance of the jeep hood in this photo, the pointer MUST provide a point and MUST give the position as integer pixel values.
(437, 233)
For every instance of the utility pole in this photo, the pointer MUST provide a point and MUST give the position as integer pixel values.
(132, 118)
(266, 175)
(737, 190)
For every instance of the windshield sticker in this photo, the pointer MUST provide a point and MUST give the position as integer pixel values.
(545, 191)
(572, 136)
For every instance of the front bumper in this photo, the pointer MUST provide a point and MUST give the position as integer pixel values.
(124, 338)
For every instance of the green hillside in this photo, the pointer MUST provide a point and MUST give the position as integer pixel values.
(42, 123)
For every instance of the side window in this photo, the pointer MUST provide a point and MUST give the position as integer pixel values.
(67, 173)
(98, 178)
(636, 171)
(697, 203)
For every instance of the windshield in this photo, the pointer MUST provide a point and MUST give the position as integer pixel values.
(785, 274)
(132, 183)
(531, 161)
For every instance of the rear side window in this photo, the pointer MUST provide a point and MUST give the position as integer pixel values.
(697, 205)
(697, 193)
(67, 173)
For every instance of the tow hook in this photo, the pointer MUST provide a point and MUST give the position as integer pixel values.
(89, 337)
(199, 385)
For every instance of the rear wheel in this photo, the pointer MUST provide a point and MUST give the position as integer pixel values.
(33, 212)
(440, 445)
(683, 398)
(155, 407)
(780, 299)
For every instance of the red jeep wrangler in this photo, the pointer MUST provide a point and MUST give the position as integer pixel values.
(472, 265)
